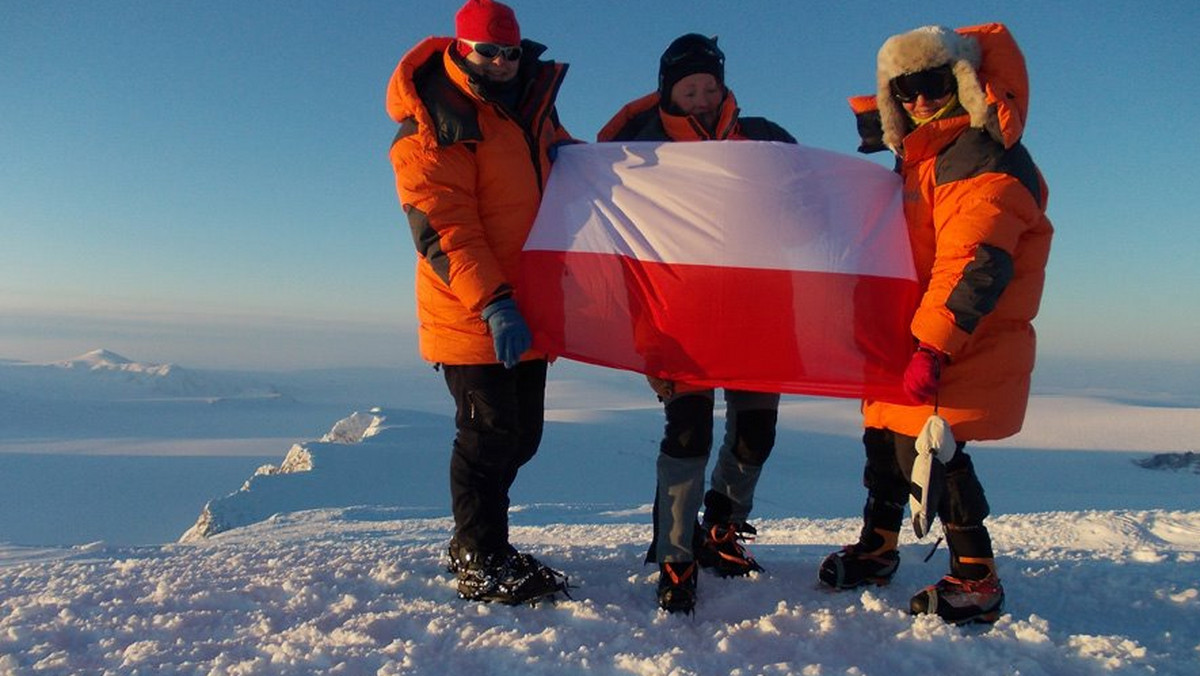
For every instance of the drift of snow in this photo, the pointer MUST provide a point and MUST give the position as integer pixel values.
(326, 473)
(364, 591)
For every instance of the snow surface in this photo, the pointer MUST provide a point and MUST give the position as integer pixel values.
(335, 562)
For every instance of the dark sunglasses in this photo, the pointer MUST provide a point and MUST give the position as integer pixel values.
(490, 50)
(932, 84)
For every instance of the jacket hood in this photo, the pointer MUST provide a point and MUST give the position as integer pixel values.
(993, 86)
(403, 101)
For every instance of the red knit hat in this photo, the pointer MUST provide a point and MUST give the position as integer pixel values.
(487, 21)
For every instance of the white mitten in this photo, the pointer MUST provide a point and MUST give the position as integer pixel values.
(935, 447)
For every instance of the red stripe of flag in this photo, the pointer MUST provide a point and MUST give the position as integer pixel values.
(817, 333)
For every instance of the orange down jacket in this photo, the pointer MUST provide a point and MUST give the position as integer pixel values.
(470, 174)
(643, 120)
(975, 205)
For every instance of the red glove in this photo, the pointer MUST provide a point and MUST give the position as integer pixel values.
(923, 372)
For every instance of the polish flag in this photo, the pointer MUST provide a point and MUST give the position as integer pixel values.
(740, 264)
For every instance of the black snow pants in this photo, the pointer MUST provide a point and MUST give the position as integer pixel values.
(887, 477)
(499, 419)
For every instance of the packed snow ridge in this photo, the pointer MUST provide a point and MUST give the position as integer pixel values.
(365, 591)
(360, 460)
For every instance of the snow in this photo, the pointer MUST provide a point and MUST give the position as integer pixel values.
(331, 555)
(363, 590)
(106, 359)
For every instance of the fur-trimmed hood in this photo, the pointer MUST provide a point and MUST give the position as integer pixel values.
(993, 86)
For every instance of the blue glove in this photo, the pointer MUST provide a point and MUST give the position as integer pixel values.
(510, 333)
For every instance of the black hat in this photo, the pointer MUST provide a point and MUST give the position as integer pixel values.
(687, 55)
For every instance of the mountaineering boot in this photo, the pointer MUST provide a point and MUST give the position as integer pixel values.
(959, 601)
(507, 577)
(859, 564)
(455, 555)
(852, 567)
(677, 586)
(722, 551)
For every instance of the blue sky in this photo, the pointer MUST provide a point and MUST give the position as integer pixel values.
(208, 184)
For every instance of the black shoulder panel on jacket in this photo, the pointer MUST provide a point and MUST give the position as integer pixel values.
(454, 116)
(983, 280)
(762, 129)
(975, 152)
(870, 132)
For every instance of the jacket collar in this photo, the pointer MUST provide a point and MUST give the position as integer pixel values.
(688, 128)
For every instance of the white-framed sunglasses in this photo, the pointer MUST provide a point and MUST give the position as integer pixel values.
(490, 50)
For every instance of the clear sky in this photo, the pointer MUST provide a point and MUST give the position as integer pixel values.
(207, 183)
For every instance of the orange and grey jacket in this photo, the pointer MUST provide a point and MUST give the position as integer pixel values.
(644, 120)
(975, 205)
(470, 173)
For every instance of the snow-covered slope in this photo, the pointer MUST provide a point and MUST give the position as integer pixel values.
(373, 458)
(335, 564)
(364, 591)
(601, 458)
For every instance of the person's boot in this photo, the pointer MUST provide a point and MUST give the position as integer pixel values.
(677, 586)
(454, 560)
(959, 599)
(507, 577)
(722, 551)
(455, 555)
(863, 563)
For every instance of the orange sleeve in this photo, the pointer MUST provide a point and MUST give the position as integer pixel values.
(862, 104)
(439, 183)
(978, 224)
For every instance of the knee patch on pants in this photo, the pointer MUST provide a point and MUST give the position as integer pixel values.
(755, 436)
(688, 431)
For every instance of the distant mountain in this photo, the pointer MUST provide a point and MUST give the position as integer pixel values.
(105, 360)
(96, 359)
(105, 375)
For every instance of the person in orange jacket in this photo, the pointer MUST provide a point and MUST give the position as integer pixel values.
(951, 105)
(693, 104)
(472, 156)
